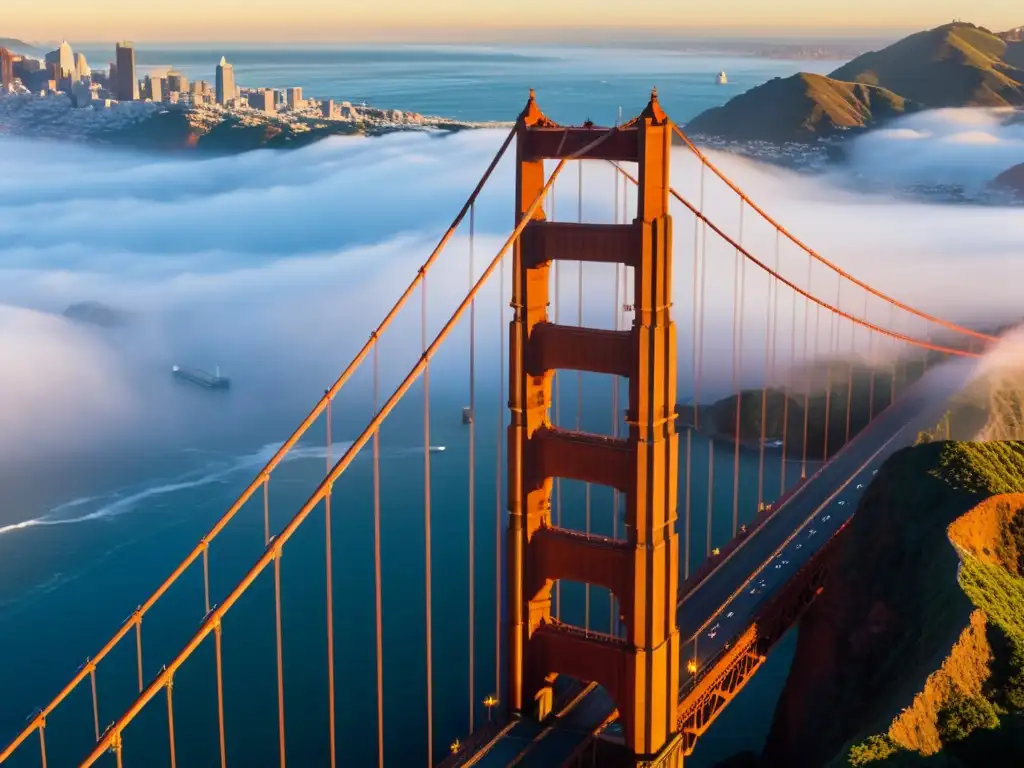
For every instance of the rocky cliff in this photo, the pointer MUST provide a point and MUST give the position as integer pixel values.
(914, 654)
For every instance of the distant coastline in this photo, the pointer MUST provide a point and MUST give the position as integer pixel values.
(167, 127)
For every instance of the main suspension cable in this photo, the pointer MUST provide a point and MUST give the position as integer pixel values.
(814, 254)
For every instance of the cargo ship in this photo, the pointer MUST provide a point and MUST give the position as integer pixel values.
(202, 378)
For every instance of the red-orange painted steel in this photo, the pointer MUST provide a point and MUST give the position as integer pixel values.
(641, 672)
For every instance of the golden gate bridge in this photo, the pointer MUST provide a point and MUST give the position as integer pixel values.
(682, 637)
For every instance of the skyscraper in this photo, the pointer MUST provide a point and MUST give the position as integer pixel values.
(127, 87)
(81, 66)
(225, 82)
(294, 98)
(6, 69)
(66, 60)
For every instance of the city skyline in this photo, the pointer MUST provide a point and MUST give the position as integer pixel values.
(463, 20)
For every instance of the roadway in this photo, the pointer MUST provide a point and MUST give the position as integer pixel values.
(721, 607)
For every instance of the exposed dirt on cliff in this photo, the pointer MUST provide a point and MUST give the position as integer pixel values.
(916, 647)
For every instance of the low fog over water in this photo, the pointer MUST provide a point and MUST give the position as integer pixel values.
(276, 266)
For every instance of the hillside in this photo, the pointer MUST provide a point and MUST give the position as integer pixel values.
(800, 108)
(1011, 180)
(916, 647)
(18, 46)
(955, 65)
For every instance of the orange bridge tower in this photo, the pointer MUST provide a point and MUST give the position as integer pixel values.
(641, 670)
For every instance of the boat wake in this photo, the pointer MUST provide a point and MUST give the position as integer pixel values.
(124, 501)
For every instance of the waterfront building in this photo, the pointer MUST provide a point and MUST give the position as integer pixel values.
(177, 82)
(226, 89)
(126, 86)
(151, 89)
(263, 100)
(328, 108)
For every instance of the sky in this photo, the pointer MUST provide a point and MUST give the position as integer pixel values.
(461, 20)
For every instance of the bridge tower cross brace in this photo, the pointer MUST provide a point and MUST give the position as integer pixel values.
(641, 672)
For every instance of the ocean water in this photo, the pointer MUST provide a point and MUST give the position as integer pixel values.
(85, 540)
(481, 83)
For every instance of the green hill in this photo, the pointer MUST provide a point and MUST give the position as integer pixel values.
(955, 65)
(800, 108)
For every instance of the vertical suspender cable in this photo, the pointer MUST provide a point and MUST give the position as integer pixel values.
(379, 603)
(329, 597)
(871, 362)
(738, 405)
(472, 468)
(895, 359)
(786, 391)
(280, 658)
(774, 286)
(833, 324)
(817, 336)
(807, 370)
(138, 643)
(768, 350)
(849, 380)
(426, 525)
(742, 277)
(42, 742)
(96, 702)
(170, 724)
(696, 385)
(206, 576)
(579, 377)
(497, 484)
(266, 510)
(700, 363)
(220, 694)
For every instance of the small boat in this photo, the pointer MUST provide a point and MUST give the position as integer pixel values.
(722, 79)
(202, 378)
(437, 449)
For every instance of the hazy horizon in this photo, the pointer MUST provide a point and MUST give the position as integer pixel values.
(459, 21)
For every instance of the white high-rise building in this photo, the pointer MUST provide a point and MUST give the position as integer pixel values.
(294, 98)
(226, 90)
(82, 70)
(66, 60)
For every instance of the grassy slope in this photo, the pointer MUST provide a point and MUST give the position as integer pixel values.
(804, 106)
(954, 65)
(948, 640)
